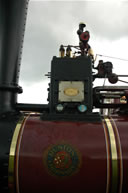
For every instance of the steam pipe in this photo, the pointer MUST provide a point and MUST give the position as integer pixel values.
(32, 107)
(12, 25)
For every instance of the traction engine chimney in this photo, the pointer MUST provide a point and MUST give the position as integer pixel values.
(12, 25)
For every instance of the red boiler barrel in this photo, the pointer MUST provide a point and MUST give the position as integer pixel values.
(60, 156)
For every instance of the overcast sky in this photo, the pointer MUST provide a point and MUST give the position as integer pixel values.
(52, 23)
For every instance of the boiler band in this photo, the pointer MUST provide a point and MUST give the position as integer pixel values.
(74, 155)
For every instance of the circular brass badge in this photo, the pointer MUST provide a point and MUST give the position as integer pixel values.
(62, 160)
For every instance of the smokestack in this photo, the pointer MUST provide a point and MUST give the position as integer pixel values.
(12, 25)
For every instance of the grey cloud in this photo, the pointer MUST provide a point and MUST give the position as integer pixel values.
(50, 24)
(107, 20)
(45, 31)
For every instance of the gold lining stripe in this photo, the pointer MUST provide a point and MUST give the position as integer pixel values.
(17, 154)
(11, 176)
(120, 155)
(113, 146)
(108, 158)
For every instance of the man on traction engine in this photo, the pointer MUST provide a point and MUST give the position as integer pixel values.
(84, 38)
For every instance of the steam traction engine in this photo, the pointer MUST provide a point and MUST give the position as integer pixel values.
(65, 146)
